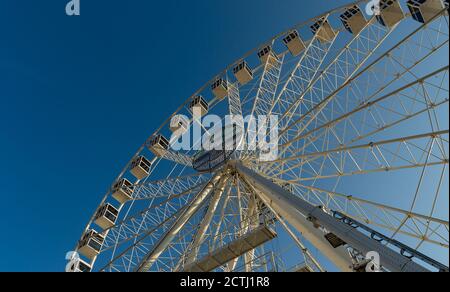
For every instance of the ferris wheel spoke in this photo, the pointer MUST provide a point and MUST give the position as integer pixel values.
(390, 155)
(380, 74)
(201, 232)
(249, 222)
(379, 115)
(234, 100)
(176, 192)
(268, 84)
(328, 134)
(241, 205)
(133, 226)
(348, 62)
(341, 70)
(383, 113)
(266, 91)
(303, 73)
(126, 259)
(174, 255)
(147, 237)
(226, 228)
(235, 208)
(146, 263)
(228, 232)
(171, 186)
(377, 150)
(177, 157)
(351, 58)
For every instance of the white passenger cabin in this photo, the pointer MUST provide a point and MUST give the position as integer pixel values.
(353, 20)
(294, 43)
(199, 104)
(323, 30)
(267, 54)
(80, 267)
(243, 73)
(220, 88)
(424, 10)
(390, 14)
(106, 216)
(91, 244)
(123, 191)
(159, 145)
(141, 167)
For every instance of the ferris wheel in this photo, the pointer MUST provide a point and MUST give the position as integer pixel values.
(357, 178)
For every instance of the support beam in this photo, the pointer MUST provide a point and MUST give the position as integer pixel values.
(165, 241)
(250, 224)
(201, 232)
(307, 218)
(233, 250)
(177, 157)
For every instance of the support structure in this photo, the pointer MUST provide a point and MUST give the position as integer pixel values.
(311, 221)
(201, 232)
(151, 258)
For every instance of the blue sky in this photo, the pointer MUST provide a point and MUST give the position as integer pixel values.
(79, 95)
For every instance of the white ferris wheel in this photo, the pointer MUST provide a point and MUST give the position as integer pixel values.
(360, 179)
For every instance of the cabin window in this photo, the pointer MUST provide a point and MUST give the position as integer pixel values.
(381, 20)
(83, 267)
(95, 245)
(111, 216)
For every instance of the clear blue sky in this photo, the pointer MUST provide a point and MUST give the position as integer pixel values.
(79, 95)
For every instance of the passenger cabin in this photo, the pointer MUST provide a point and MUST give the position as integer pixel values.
(140, 167)
(323, 30)
(243, 73)
(220, 88)
(424, 10)
(106, 216)
(199, 105)
(159, 145)
(80, 267)
(91, 244)
(294, 43)
(179, 124)
(390, 14)
(123, 191)
(267, 54)
(353, 20)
